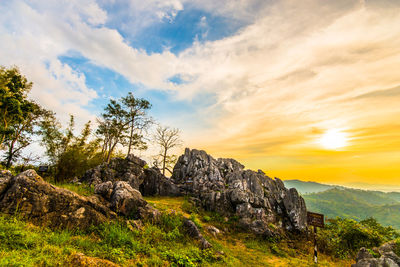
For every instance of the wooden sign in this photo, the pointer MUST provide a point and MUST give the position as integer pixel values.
(315, 219)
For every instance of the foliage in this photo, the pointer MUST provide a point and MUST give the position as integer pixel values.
(344, 237)
(70, 155)
(19, 116)
(122, 122)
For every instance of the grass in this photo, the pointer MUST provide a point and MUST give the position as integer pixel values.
(160, 244)
(82, 189)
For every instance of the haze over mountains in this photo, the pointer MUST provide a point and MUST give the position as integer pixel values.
(356, 204)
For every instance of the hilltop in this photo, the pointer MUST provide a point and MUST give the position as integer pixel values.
(357, 204)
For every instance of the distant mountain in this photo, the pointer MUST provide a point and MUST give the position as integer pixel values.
(356, 204)
(307, 187)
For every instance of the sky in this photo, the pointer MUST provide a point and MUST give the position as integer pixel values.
(304, 90)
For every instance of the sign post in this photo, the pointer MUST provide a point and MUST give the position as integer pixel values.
(316, 220)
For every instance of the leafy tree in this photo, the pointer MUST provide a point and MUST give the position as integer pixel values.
(70, 155)
(22, 132)
(122, 123)
(139, 120)
(13, 93)
(167, 138)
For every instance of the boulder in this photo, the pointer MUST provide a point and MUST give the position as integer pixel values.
(154, 183)
(223, 185)
(44, 204)
(194, 232)
(129, 170)
(126, 201)
(133, 170)
(388, 257)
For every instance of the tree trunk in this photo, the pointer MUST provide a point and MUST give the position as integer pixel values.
(164, 159)
(10, 155)
(130, 139)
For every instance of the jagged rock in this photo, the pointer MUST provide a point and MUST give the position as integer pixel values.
(44, 204)
(129, 170)
(388, 257)
(213, 230)
(126, 201)
(149, 181)
(224, 186)
(104, 189)
(154, 183)
(194, 232)
(5, 177)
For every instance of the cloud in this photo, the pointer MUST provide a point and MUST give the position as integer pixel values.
(395, 91)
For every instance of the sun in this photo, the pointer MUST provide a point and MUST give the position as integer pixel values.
(333, 139)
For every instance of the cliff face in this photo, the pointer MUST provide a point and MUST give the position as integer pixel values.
(224, 186)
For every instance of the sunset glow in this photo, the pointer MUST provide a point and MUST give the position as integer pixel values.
(300, 89)
(333, 139)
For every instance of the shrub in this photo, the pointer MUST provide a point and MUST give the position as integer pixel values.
(344, 237)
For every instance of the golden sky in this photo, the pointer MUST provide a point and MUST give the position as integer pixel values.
(305, 71)
(302, 89)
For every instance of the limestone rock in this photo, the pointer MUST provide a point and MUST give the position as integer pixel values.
(388, 257)
(213, 230)
(154, 183)
(223, 185)
(44, 204)
(194, 232)
(129, 170)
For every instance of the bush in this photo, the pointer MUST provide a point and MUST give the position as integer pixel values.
(344, 237)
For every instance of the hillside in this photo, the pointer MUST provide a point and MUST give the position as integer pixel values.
(356, 204)
(307, 187)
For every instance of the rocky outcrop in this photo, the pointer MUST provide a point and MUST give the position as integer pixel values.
(387, 259)
(126, 201)
(44, 204)
(223, 185)
(129, 170)
(133, 170)
(154, 183)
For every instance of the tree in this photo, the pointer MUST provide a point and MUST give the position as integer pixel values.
(70, 155)
(139, 119)
(122, 123)
(23, 131)
(13, 93)
(167, 138)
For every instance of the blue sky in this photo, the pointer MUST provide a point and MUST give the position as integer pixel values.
(256, 80)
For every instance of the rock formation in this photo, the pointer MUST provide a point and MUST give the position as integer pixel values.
(387, 259)
(28, 195)
(134, 171)
(224, 186)
(44, 204)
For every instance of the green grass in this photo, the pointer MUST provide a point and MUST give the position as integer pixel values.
(83, 189)
(155, 244)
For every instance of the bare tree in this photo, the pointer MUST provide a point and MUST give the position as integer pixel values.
(167, 138)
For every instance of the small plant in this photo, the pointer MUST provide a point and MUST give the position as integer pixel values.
(196, 220)
(206, 218)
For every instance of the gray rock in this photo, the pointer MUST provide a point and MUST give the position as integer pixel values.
(213, 230)
(28, 195)
(388, 257)
(224, 186)
(194, 232)
(129, 170)
(154, 183)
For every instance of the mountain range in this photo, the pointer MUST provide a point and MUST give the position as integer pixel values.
(338, 201)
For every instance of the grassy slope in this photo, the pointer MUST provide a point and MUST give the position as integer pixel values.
(163, 244)
(356, 204)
